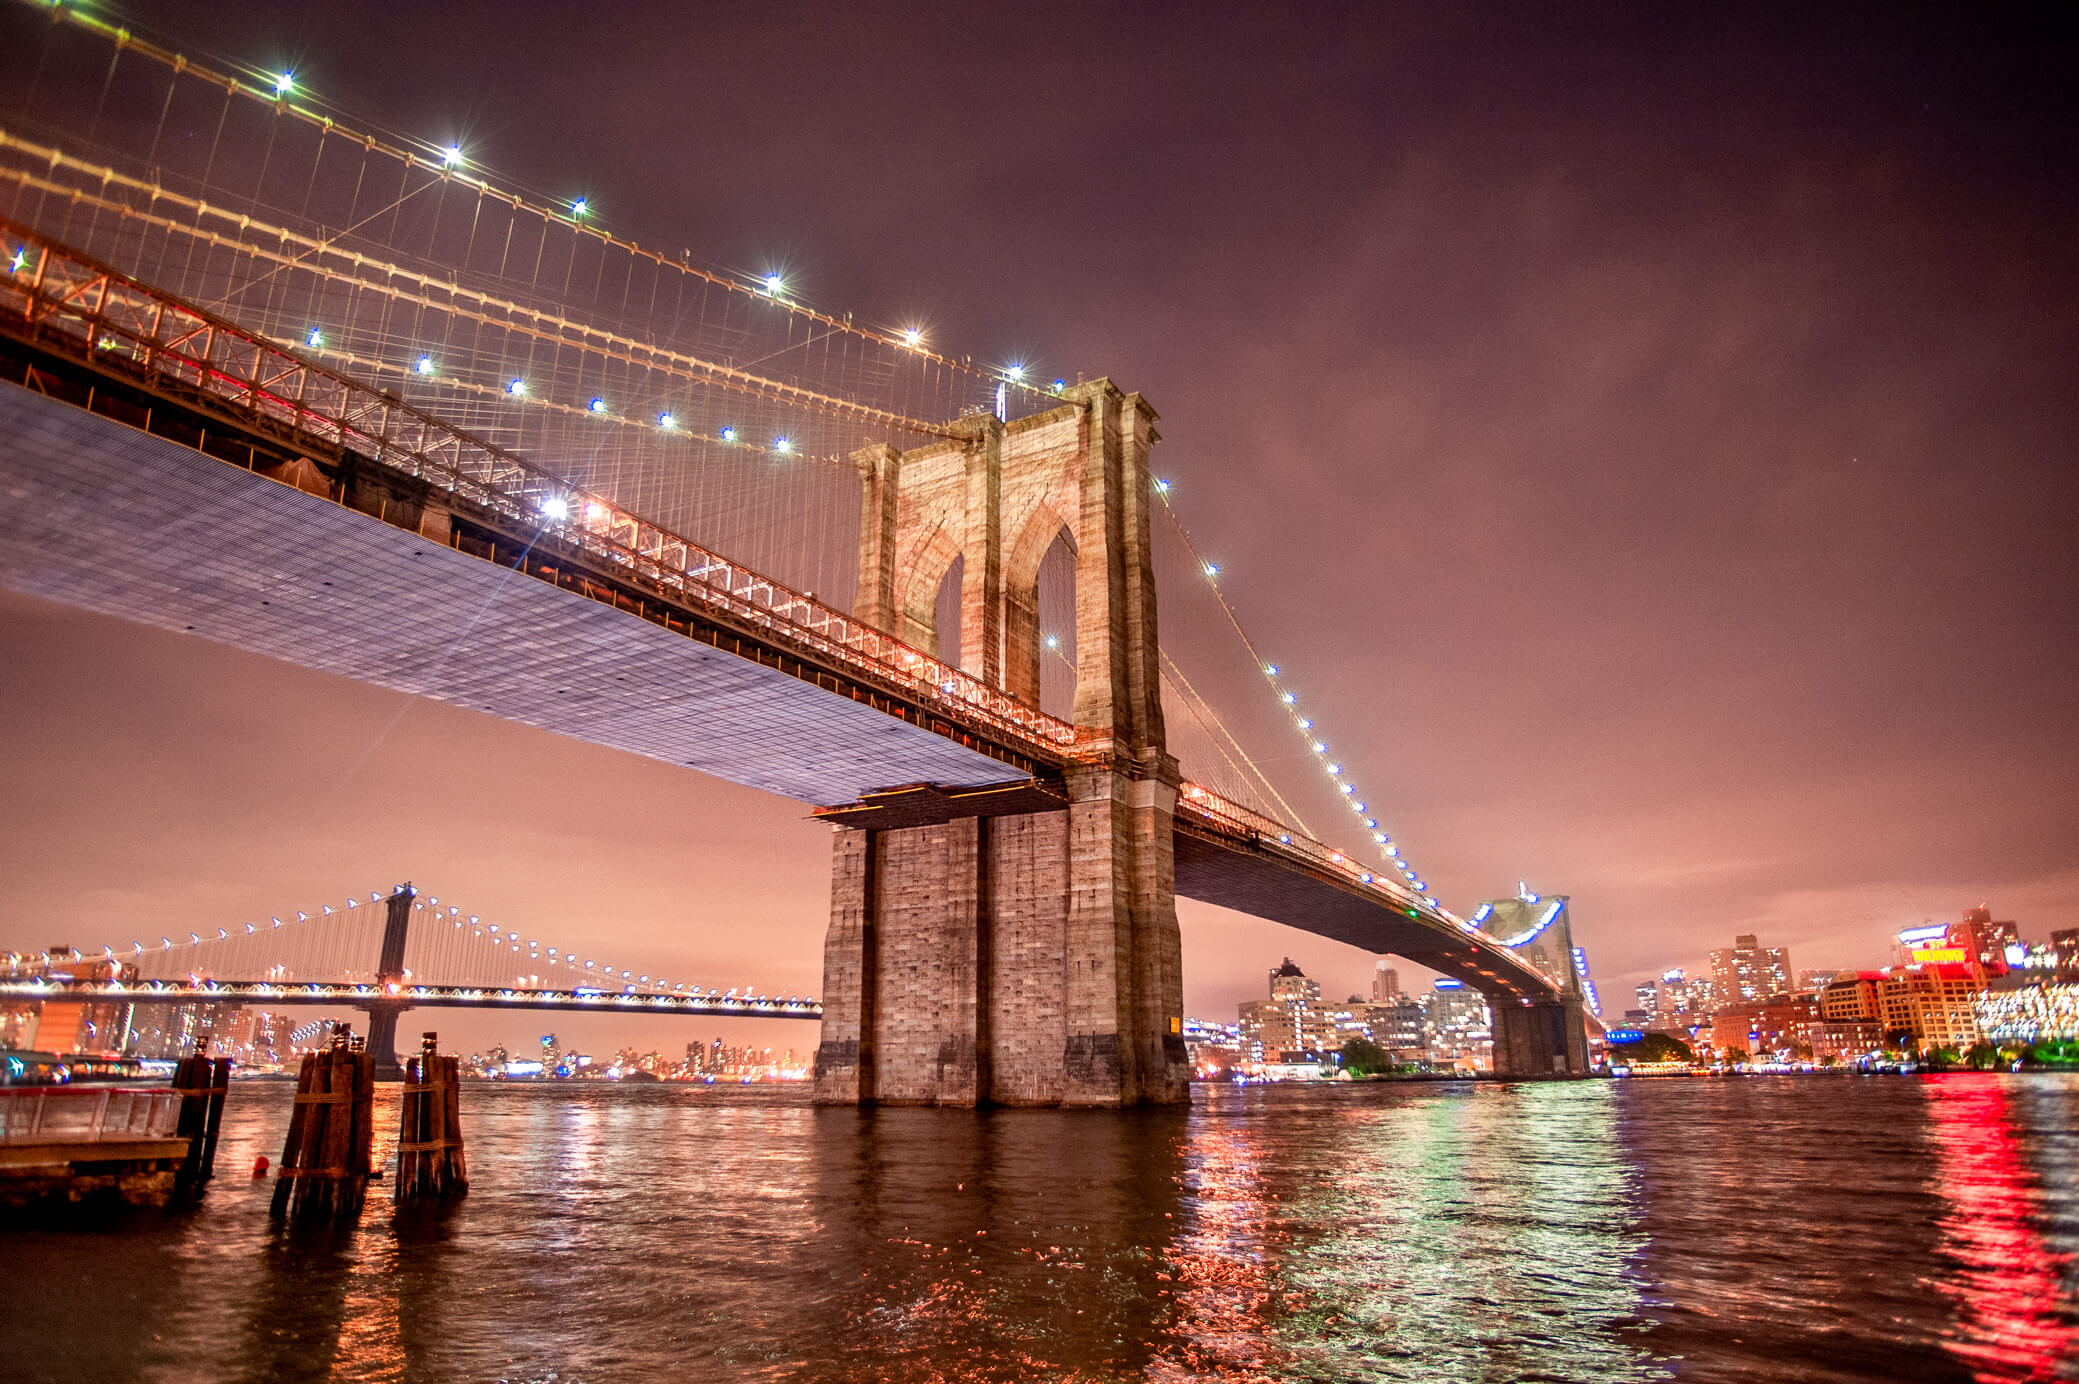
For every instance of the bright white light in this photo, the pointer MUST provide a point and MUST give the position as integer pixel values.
(1393, 850)
(556, 507)
(1380, 837)
(666, 421)
(316, 338)
(21, 257)
(782, 445)
(516, 387)
(592, 511)
(580, 207)
(1335, 768)
(1053, 642)
(774, 283)
(1212, 569)
(1161, 487)
(453, 157)
(285, 84)
(729, 434)
(1288, 699)
(912, 337)
(597, 405)
(1270, 670)
(1347, 788)
(1016, 372)
(1305, 724)
(425, 366)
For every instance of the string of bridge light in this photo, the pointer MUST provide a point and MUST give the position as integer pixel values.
(453, 915)
(281, 89)
(1303, 724)
(516, 388)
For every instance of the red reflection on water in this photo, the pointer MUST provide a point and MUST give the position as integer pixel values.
(1223, 1285)
(2008, 1289)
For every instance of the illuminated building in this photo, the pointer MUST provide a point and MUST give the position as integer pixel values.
(2065, 944)
(1675, 1003)
(1935, 1005)
(1853, 997)
(66, 1026)
(1459, 1027)
(1784, 1027)
(1290, 1021)
(1213, 1050)
(1385, 984)
(2031, 1012)
(1747, 971)
(1989, 940)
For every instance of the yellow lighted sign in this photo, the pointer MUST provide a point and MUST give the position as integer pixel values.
(1941, 954)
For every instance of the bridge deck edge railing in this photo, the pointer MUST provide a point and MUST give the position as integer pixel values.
(106, 315)
(1234, 819)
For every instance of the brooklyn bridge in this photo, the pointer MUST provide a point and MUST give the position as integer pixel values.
(341, 399)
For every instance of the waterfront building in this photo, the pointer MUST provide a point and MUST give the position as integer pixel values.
(1213, 1050)
(1853, 997)
(66, 1026)
(1292, 1020)
(1933, 1005)
(1784, 1027)
(2033, 1011)
(1747, 971)
(1399, 1028)
(1459, 1028)
(1385, 984)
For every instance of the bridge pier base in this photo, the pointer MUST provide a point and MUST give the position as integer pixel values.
(1540, 1040)
(1017, 960)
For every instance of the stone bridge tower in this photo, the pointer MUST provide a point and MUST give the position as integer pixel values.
(1029, 959)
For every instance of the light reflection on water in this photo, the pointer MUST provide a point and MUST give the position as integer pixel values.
(1823, 1229)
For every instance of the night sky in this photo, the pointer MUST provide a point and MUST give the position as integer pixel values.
(1649, 431)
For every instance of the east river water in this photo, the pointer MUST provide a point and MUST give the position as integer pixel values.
(1844, 1228)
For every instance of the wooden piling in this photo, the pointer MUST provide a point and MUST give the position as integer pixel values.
(202, 1082)
(328, 1155)
(430, 1161)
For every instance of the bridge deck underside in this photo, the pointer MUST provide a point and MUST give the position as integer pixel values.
(94, 513)
(1255, 882)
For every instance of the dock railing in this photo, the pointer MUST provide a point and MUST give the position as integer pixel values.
(87, 1114)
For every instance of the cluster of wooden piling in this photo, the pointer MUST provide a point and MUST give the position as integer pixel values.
(329, 1154)
(202, 1082)
(430, 1161)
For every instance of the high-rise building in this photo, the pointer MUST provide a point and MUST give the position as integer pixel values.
(1459, 1028)
(1385, 984)
(1747, 971)
(2065, 943)
(1933, 1005)
(1994, 945)
(1292, 1020)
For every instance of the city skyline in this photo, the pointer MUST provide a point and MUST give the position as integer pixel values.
(1800, 668)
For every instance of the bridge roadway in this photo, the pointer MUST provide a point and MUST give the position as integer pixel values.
(279, 995)
(175, 492)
